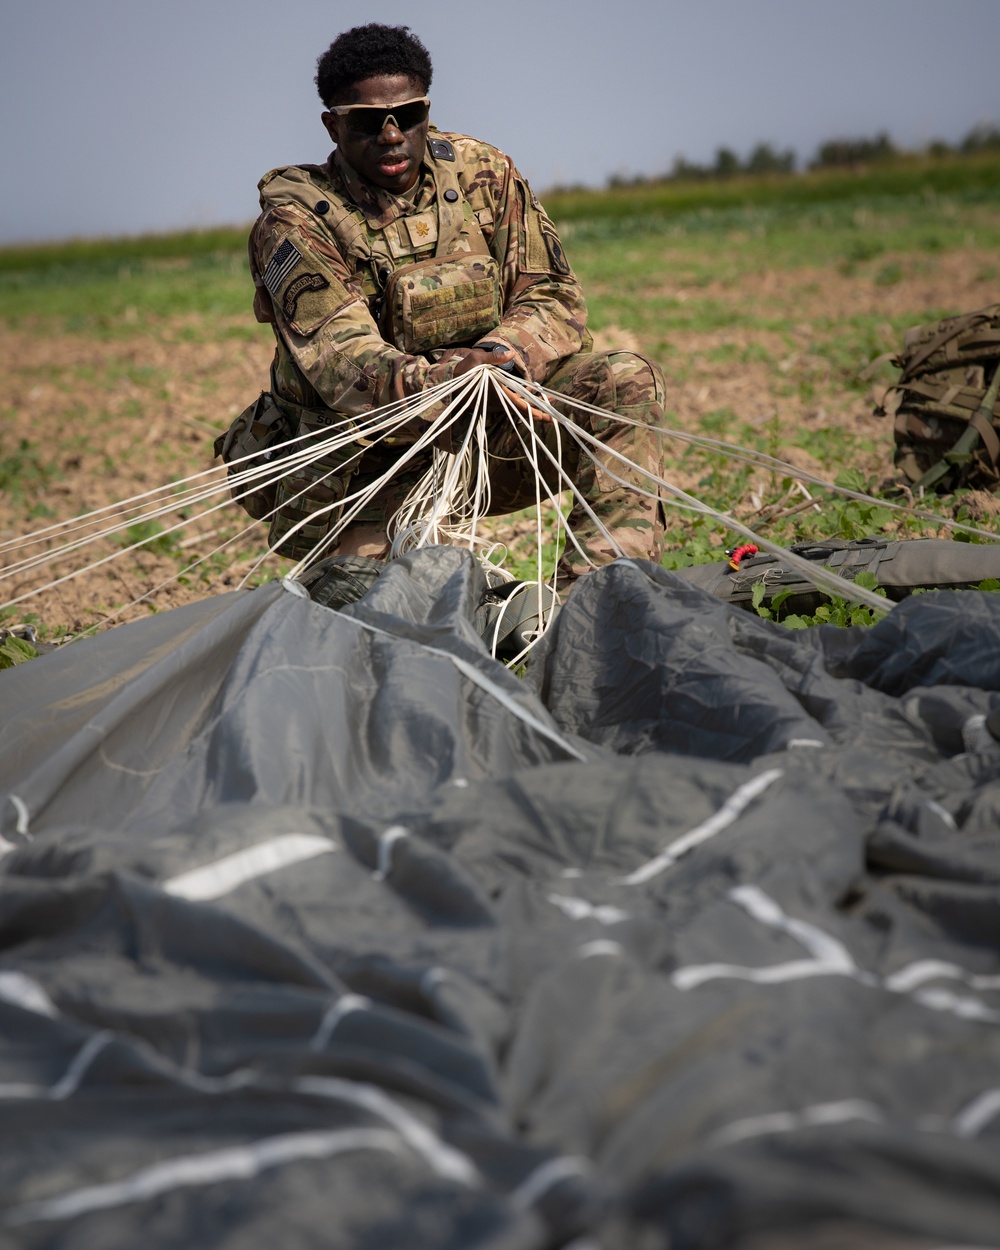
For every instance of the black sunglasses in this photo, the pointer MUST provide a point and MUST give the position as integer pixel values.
(366, 119)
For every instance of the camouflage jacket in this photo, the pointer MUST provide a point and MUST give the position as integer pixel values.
(325, 247)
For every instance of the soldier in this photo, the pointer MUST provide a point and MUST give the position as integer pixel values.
(356, 264)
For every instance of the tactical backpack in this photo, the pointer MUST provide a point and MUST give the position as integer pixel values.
(945, 403)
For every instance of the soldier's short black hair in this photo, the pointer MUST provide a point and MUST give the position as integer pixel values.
(368, 52)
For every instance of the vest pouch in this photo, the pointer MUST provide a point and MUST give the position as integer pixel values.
(257, 432)
(444, 301)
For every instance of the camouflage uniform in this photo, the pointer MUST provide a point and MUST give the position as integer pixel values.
(365, 291)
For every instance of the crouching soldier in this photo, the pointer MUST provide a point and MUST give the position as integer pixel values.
(356, 264)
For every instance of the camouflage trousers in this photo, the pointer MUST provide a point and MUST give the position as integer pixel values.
(616, 508)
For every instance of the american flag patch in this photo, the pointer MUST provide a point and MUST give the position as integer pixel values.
(286, 257)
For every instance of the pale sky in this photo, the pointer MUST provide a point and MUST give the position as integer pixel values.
(125, 116)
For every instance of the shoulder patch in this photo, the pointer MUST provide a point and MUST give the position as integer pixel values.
(441, 149)
(557, 256)
(286, 257)
(304, 282)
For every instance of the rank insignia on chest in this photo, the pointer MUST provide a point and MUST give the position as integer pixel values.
(422, 228)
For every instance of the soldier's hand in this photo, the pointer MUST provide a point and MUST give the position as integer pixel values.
(471, 357)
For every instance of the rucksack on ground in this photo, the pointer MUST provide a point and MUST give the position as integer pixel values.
(945, 405)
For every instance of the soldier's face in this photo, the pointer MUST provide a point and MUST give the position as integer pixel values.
(390, 159)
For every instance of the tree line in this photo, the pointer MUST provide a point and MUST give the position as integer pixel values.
(834, 154)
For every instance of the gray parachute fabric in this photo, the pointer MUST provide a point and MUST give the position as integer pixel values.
(322, 928)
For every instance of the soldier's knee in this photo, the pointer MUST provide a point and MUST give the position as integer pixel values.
(638, 382)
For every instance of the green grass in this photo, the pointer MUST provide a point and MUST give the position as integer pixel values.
(14, 651)
(116, 287)
(722, 245)
(25, 475)
(119, 298)
(144, 249)
(658, 279)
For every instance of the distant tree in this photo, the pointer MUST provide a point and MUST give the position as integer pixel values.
(687, 171)
(982, 138)
(849, 153)
(626, 180)
(727, 163)
(938, 148)
(881, 148)
(764, 160)
(834, 154)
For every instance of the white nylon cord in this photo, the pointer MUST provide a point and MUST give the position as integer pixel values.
(366, 494)
(381, 423)
(449, 501)
(762, 460)
(811, 571)
(134, 504)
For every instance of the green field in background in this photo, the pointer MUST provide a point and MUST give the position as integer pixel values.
(965, 176)
(621, 243)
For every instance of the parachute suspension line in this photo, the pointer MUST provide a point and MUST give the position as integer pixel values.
(378, 424)
(384, 426)
(196, 495)
(544, 621)
(541, 401)
(439, 508)
(539, 525)
(588, 443)
(432, 490)
(453, 496)
(115, 555)
(135, 503)
(762, 460)
(517, 419)
(155, 590)
(838, 586)
(362, 497)
(223, 488)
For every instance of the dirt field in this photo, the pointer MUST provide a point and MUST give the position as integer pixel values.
(92, 420)
(108, 419)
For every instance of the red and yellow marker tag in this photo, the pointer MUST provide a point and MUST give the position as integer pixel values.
(737, 554)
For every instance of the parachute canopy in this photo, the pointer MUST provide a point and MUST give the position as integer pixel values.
(324, 927)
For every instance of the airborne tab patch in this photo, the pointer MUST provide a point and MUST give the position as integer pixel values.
(304, 282)
(286, 256)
